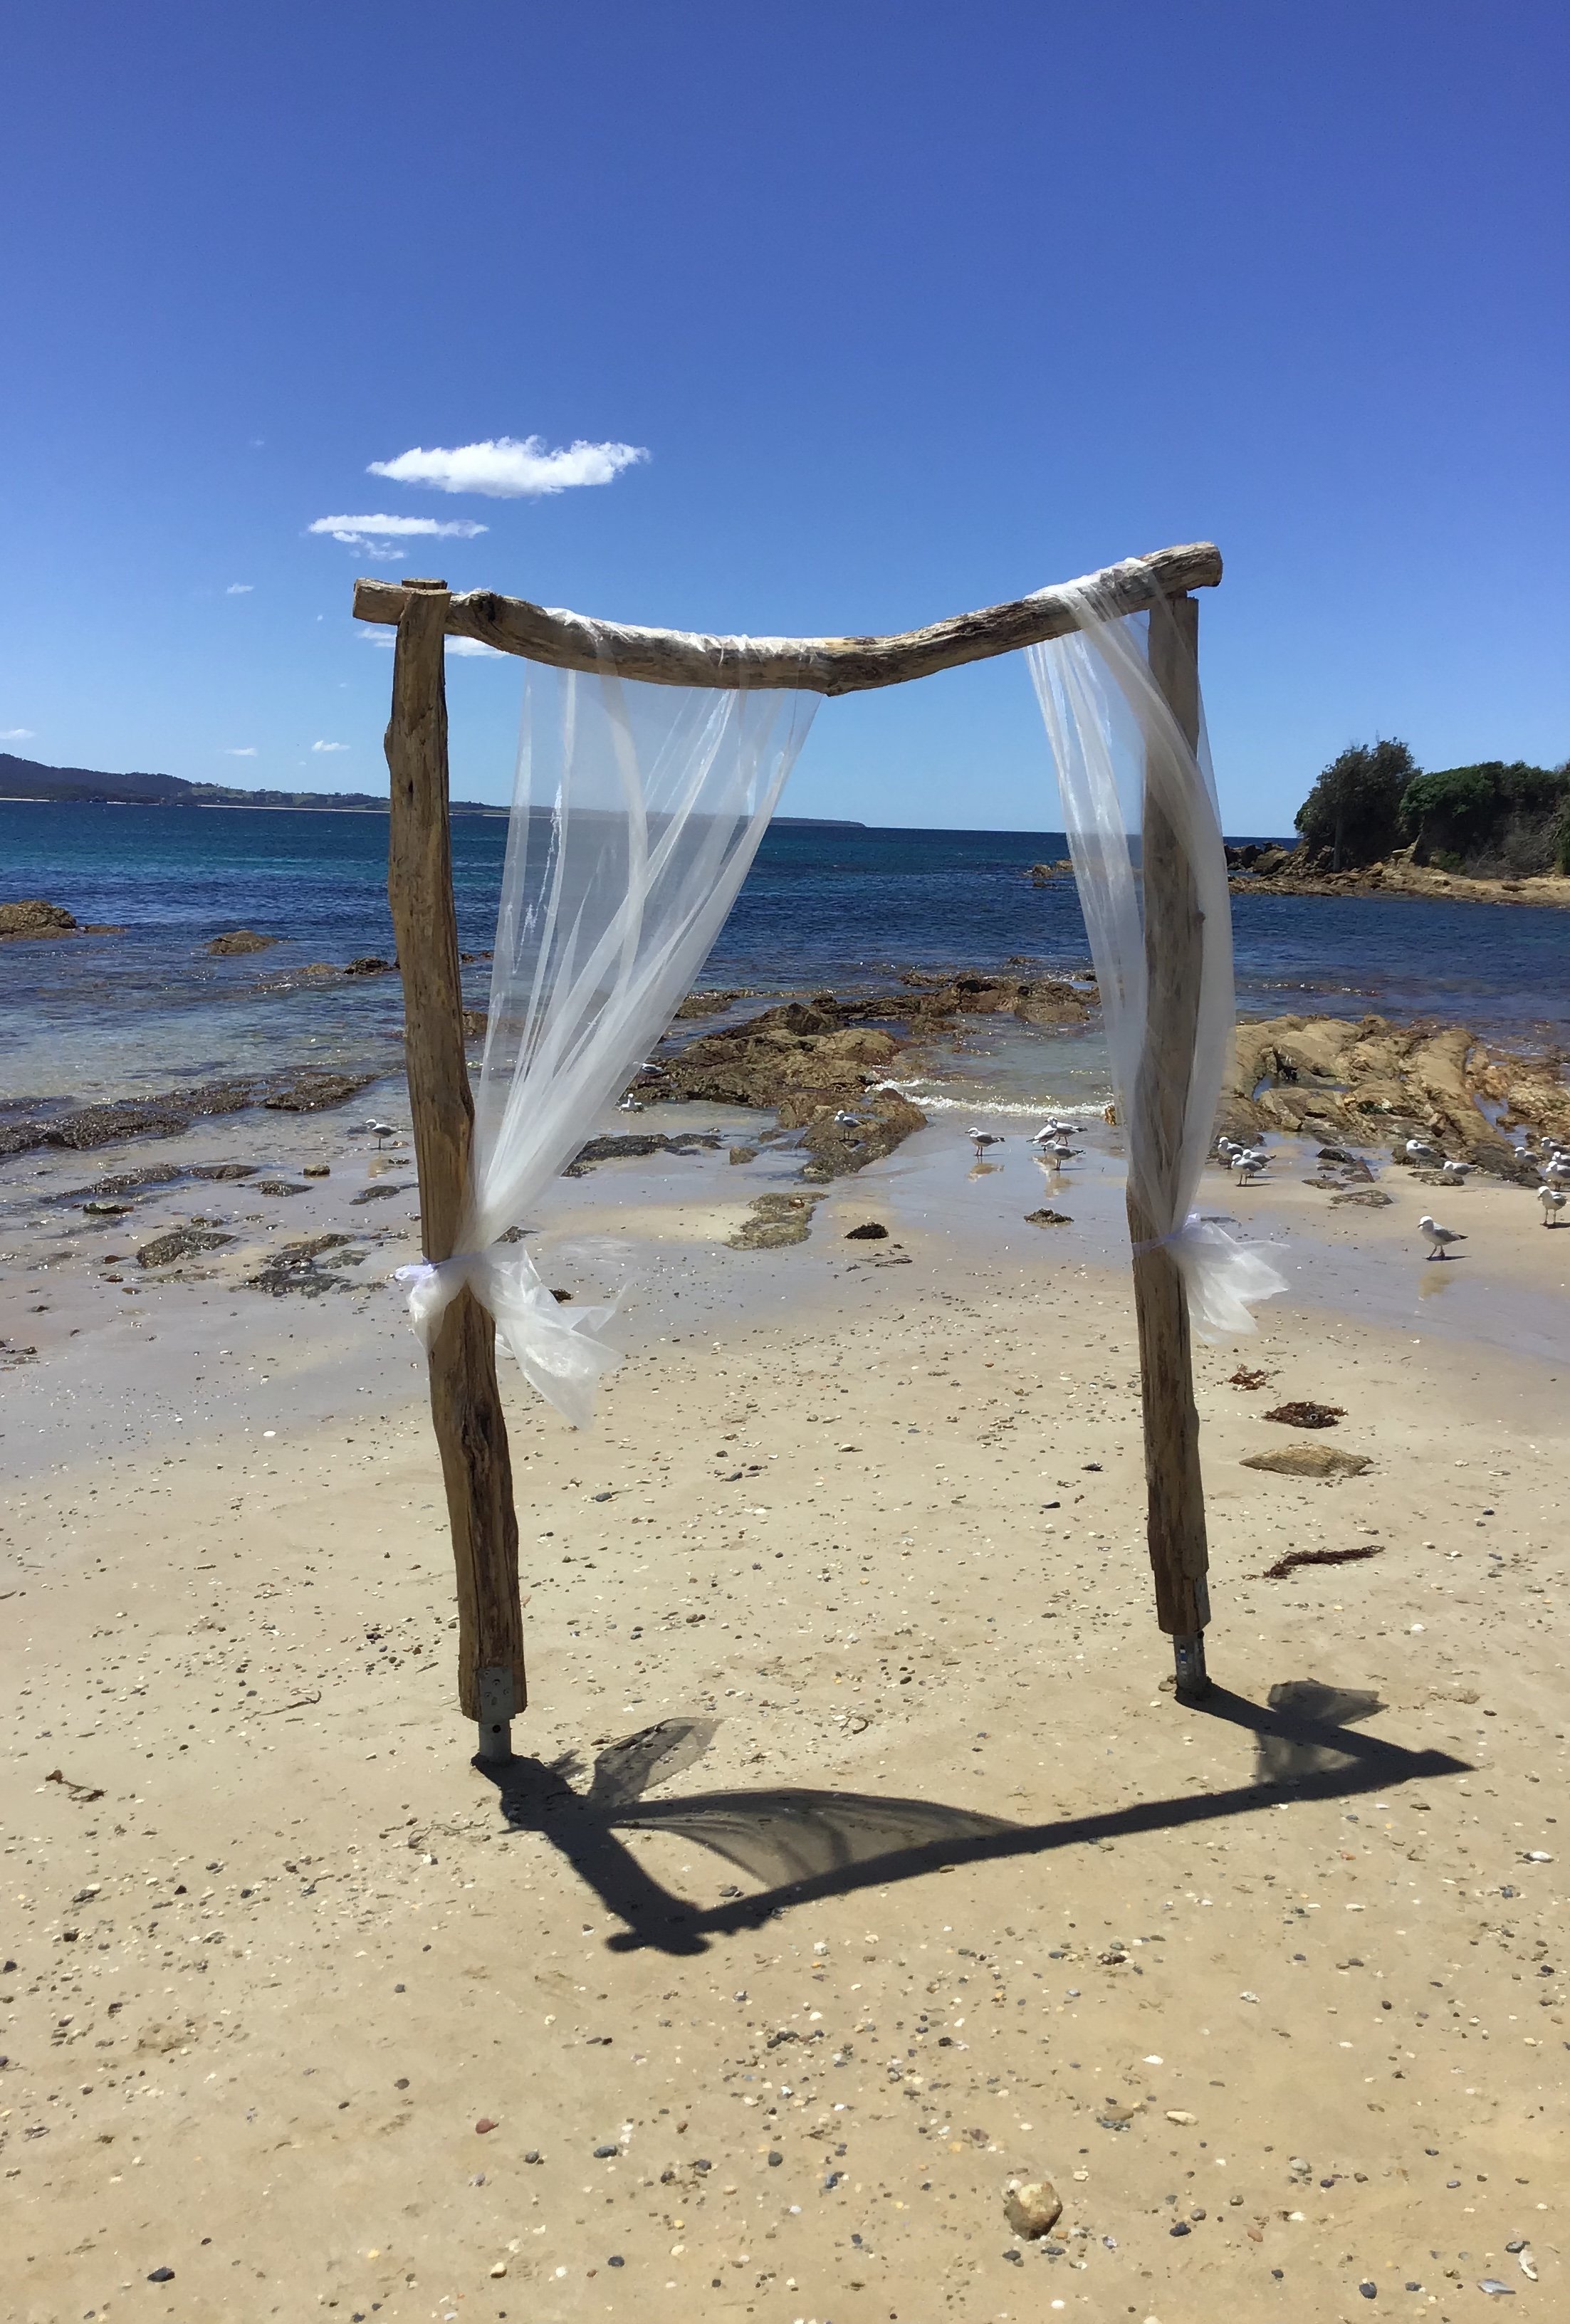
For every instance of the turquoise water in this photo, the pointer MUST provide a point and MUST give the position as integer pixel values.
(847, 909)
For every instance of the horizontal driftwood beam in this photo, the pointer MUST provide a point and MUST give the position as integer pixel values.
(816, 665)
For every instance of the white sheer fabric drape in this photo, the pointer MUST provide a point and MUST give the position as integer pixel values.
(1115, 741)
(636, 812)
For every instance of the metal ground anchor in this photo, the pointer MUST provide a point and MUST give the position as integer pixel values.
(494, 1689)
(1193, 1678)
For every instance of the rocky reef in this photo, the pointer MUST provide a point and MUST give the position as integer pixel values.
(1365, 1081)
(823, 1066)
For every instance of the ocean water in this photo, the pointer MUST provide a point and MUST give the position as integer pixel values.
(848, 910)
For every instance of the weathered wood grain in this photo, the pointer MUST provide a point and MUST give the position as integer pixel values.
(465, 1402)
(816, 665)
(1174, 938)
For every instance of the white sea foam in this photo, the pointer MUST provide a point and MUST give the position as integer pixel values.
(935, 1101)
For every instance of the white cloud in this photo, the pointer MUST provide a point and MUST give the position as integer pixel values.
(17, 734)
(239, 588)
(330, 746)
(358, 531)
(475, 646)
(506, 468)
(246, 751)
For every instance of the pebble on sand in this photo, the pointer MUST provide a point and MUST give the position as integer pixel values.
(1033, 2207)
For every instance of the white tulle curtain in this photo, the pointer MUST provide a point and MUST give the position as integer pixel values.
(1116, 743)
(636, 812)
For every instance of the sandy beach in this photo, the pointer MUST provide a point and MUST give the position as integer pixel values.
(925, 1882)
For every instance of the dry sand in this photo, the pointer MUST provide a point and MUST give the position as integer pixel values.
(940, 1888)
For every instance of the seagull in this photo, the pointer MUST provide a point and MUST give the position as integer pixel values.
(1061, 1152)
(1049, 1131)
(1246, 1164)
(848, 1121)
(379, 1130)
(1559, 1167)
(1552, 1201)
(981, 1140)
(1226, 1148)
(630, 1104)
(1459, 1171)
(1439, 1238)
(1419, 1150)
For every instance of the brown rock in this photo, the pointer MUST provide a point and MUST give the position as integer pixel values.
(239, 940)
(838, 1149)
(1367, 1079)
(309, 1091)
(1033, 2207)
(873, 1232)
(1310, 1461)
(182, 1242)
(35, 918)
(777, 1220)
(705, 1004)
(1048, 1219)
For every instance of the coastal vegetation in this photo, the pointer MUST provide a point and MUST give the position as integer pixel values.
(1374, 803)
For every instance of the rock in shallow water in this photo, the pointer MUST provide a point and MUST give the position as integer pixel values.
(239, 940)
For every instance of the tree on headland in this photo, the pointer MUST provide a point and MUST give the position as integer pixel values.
(1354, 809)
(1512, 818)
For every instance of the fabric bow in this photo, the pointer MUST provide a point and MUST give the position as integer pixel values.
(558, 1349)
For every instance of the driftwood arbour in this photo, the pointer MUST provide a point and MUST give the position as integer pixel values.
(464, 1404)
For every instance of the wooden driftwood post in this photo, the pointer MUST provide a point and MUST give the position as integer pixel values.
(1174, 938)
(465, 1402)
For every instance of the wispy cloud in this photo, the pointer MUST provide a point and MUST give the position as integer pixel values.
(363, 532)
(506, 467)
(239, 588)
(17, 734)
(387, 639)
(329, 746)
(246, 751)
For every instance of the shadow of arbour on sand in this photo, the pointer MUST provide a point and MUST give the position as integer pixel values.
(802, 1845)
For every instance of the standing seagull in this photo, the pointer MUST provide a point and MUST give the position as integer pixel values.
(1459, 1171)
(1553, 1202)
(1419, 1150)
(981, 1140)
(1439, 1238)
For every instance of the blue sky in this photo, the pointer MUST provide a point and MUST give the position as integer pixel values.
(910, 308)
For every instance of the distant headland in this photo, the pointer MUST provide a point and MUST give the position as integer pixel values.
(28, 782)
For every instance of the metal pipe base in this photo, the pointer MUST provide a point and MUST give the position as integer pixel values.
(495, 1740)
(1193, 1679)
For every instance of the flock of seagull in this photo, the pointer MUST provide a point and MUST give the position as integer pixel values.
(1247, 1162)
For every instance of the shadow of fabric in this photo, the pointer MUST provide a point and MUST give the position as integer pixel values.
(802, 1845)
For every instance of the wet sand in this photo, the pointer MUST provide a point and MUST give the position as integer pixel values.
(934, 1885)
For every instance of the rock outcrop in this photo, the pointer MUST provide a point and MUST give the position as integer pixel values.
(1367, 1081)
(1272, 870)
(239, 940)
(812, 1062)
(308, 1091)
(34, 918)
